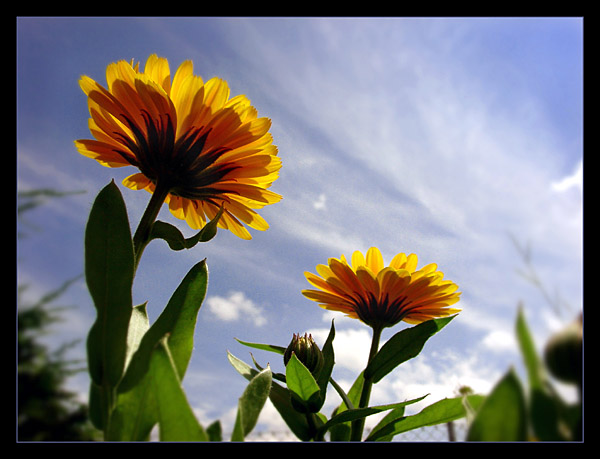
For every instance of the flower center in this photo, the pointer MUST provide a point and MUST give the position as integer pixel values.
(380, 312)
(187, 169)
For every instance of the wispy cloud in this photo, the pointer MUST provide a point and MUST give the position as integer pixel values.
(575, 180)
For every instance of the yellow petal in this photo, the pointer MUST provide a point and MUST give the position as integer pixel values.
(137, 182)
(358, 260)
(368, 281)
(157, 69)
(398, 261)
(374, 260)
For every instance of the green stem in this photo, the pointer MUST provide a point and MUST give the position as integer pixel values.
(107, 395)
(312, 427)
(359, 424)
(142, 234)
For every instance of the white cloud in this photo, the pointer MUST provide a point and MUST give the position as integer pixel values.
(320, 203)
(234, 307)
(351, 346)
(500, 341)
(575, 180)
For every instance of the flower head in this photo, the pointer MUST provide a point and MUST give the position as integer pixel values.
(307, 351)
(381, 296)
(186, 136)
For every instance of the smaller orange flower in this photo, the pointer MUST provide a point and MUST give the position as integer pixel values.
(381, 296)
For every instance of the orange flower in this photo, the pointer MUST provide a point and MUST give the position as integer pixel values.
(188, 139)
(382, 296)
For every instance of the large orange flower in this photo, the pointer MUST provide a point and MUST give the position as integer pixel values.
(189, 140)
(382, 296)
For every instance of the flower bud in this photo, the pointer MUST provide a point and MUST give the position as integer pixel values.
(306, 351)
(564, 353)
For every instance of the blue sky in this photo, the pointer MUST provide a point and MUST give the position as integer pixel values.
(439, 136)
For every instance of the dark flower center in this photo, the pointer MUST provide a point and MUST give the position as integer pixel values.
(184, 166)
(380, 313)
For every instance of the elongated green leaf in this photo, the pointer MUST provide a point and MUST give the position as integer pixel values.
(251, 404)
(281, 399)
(263, 347)
(328, 363)
(502, 416)
(359, 413)
(544, 405)
(533, 364)
(394, 414)
(241, 367)
(178, 320)
(403, 346)
(109, 269)
(176, 420)
(443, 411)
(301, 383)
(138, 326)
(134, 414)
(98, 406)
(176, 240)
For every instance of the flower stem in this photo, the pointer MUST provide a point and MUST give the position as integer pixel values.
(359, 424)
(312, 427)
(142, 234)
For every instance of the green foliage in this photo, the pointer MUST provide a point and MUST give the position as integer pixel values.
(446, 410)
(304, 390)
(46, 410)
(137, 368)
(178, 321)
(109, 266)
(176, 419)
(176, 240)
(512, 412)
(300, 401)
(404, 345)
(251, 403)
(503, 414)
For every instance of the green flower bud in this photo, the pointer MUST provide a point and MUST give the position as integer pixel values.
(564, 353)
(306, 351)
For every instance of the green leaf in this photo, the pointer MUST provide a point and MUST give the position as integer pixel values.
(280, 398)
(109, 267)
(263, 347)
(138, 326)
(544, 405)
(98, 406)
(535, 369)
(328, 363)
(502, 416)
(178, 320)
(443, 411)
(176, 420)
(251, 403)
(393, 415)
(214, 431)
(403, 346)
(302, 385)
(176, 240)
(134, 414)
(359, 413)
(241, 367)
